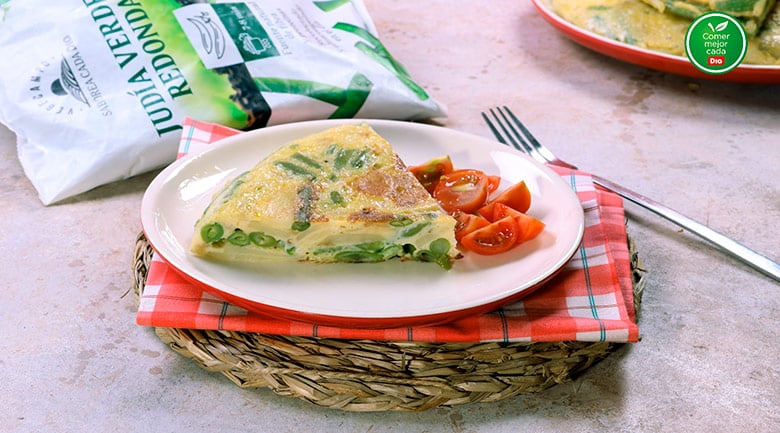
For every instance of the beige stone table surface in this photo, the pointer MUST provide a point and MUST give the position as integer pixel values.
(710, 326)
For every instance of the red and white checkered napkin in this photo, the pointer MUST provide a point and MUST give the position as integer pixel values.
(591, 299)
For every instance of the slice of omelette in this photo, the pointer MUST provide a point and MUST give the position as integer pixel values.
(340, 195)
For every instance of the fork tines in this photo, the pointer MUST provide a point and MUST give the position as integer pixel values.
(512, 132)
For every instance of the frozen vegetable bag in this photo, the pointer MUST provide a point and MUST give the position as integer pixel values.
(96, 90)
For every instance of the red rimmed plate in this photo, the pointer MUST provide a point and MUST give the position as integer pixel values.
(370, 295)
(744, 73)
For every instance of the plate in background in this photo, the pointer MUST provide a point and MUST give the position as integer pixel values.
(745, 73)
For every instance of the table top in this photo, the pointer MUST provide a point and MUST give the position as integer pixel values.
(709, 325)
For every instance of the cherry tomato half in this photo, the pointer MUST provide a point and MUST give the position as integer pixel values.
(465, 190)
(466, 223)
(495, 238)
(429, 172)
(494, 211)
(528, 227)
(517, 196)
(493, 183)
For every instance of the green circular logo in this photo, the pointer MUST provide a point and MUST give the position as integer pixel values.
(716, 43)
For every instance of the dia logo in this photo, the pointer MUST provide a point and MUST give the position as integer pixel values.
(716, 43)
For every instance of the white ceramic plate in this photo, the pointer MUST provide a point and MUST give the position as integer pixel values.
(745, 73)
(365, 295)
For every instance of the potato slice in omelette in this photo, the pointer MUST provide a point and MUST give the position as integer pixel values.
(340, 195)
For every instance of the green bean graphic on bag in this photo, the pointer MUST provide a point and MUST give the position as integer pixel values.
(100, 96)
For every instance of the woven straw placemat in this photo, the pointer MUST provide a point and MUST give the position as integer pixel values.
(368, 375)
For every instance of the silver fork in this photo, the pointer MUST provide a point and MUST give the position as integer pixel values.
(510, 131)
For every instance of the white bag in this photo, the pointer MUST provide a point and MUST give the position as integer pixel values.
(96, 89)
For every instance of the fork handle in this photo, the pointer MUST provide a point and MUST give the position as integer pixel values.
(757, 261)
